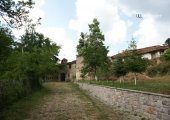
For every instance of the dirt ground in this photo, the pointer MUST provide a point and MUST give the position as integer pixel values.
(68, 102)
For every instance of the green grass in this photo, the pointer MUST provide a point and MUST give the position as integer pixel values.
(154, 85)
(20, 109)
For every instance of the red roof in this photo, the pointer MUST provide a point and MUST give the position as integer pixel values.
(151, 49)
(146, 50)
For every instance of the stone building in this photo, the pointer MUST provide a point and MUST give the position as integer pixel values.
(73, 69)
(152, 52)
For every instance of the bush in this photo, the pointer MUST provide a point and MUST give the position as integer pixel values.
(10, 91)
(159, 69)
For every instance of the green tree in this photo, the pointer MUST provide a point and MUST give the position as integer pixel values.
(166, 55)
(15, 13)
(167, 42)
(40, 54)
(6, 41)
(119, 66)
(106, 71)
(134, 62)
(92, 49)
(32, 59)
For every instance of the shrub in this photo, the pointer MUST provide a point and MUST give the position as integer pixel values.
(10, 91)
(159, 69)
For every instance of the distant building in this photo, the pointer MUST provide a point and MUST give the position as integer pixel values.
(151, 52)
(73, 69)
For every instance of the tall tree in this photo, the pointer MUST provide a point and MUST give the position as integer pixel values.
(167, 42)
(166, 55)
(32, 59)
(6, 40)
(92, 49)
(40, 53)
(15, 13)
(134, 62)
(120, 68)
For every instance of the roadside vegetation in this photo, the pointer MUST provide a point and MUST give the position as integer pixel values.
(115, 73)
(157, 85)
(20, 110)
(24, 61)
(61, 101)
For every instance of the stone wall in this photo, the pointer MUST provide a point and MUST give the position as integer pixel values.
(149, 105)
(79, 66)
(71, 68)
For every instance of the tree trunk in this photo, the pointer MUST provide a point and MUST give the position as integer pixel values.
(135, 77)
(120, 79)
(95, 76)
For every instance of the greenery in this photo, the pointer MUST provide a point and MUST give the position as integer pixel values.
(162, 68)
(119, 67)
(27, 65)
(14, 13)
(166, 55)
(129, 61)
(20, 109)
(25, 62)
(167, 42)
(6, 40)
(93, 51)
(105, 72)
(156, 85)
(134, 62)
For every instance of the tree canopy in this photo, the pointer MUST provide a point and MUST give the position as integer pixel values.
(26, 61)
(166, 55)
(92, 49)
(6, 40)
(167, 42)
(119, 66)
(15, 13)
(134, 62)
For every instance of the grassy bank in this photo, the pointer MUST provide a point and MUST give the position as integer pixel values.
(156, 85)
(20, 109)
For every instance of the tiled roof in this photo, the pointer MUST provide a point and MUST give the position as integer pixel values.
(151, 49)
(145, 50)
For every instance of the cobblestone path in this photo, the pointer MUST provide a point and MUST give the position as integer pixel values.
(68, 102)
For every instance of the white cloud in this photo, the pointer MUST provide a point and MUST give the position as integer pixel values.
(153, 28)
(111, 24)
(151, 32)
(58, 35)
(35, 13)
(147, 33)
(117, 18)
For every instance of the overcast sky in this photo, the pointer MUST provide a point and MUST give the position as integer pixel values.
(63, 20)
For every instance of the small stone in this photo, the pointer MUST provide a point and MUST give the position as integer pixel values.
(166, 117)
(149, 110)
(159, 115)
(165, 102)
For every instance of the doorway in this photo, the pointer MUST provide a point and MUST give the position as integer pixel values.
(63, 77)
